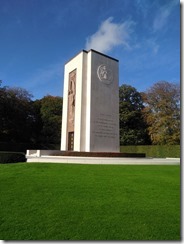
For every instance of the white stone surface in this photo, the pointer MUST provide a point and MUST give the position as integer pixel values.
(104, 121)
(76, 63)
(96, 126)
(101, 160)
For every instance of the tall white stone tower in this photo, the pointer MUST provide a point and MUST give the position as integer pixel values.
(90, 121)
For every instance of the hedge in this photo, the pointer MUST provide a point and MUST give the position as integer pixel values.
(12, 157)
(22, 147)
(156, 151)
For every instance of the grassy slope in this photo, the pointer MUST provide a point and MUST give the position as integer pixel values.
(89, 202)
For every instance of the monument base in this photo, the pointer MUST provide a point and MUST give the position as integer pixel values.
(40, 153)
(54, 156)
(99, 154)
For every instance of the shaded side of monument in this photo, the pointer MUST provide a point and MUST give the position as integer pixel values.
(90, 121)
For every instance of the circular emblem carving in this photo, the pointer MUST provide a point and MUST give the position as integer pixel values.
(104, 74)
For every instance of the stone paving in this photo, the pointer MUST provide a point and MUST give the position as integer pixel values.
(102, 160)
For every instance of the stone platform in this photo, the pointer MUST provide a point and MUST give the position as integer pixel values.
(50, 156)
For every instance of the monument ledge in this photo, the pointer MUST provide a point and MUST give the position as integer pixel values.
(46, 156)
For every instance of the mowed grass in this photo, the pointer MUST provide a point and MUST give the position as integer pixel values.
(89, 202)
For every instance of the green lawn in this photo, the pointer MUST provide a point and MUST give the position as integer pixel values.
(89, 202)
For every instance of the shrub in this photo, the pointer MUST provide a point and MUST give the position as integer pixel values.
(12, 157)
(156, 151)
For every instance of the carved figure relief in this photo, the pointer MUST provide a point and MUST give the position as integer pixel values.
(71, 100)
(105, 74)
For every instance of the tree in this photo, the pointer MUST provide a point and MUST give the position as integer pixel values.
(51, 116)
(162, 112)
(23, 121)
(133, 129)
(15, 114)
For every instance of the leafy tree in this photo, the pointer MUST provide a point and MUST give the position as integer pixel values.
(37, 124)
(25, 121)
(15, 115)
(162, 112)
(133, 129)
(22, 120)
(51, 116)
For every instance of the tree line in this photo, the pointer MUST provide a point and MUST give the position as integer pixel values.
(151, 117)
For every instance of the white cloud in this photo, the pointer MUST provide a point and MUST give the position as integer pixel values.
(163, 14)
(110, 35)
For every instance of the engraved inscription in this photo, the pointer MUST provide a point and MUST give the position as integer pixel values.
(105, 127)
(71, 100)
(105, 74)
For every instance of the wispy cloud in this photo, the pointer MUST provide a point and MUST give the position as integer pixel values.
(152, 45)
(110, 35)
(163, 14)
(143, 7)
(46, 75)
(45, 80)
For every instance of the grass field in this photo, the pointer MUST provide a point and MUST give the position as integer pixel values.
(89, 202)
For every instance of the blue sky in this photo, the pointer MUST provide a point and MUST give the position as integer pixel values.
(37, 37)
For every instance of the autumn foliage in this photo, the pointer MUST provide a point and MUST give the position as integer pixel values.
(162, 113)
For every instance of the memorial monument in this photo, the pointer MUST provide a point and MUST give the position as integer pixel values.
(90, 121)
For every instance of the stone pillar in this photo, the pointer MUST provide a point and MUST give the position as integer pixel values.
(91, 103)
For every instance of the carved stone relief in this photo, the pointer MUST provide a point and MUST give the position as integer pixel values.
(71, 100)
(105, 74)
